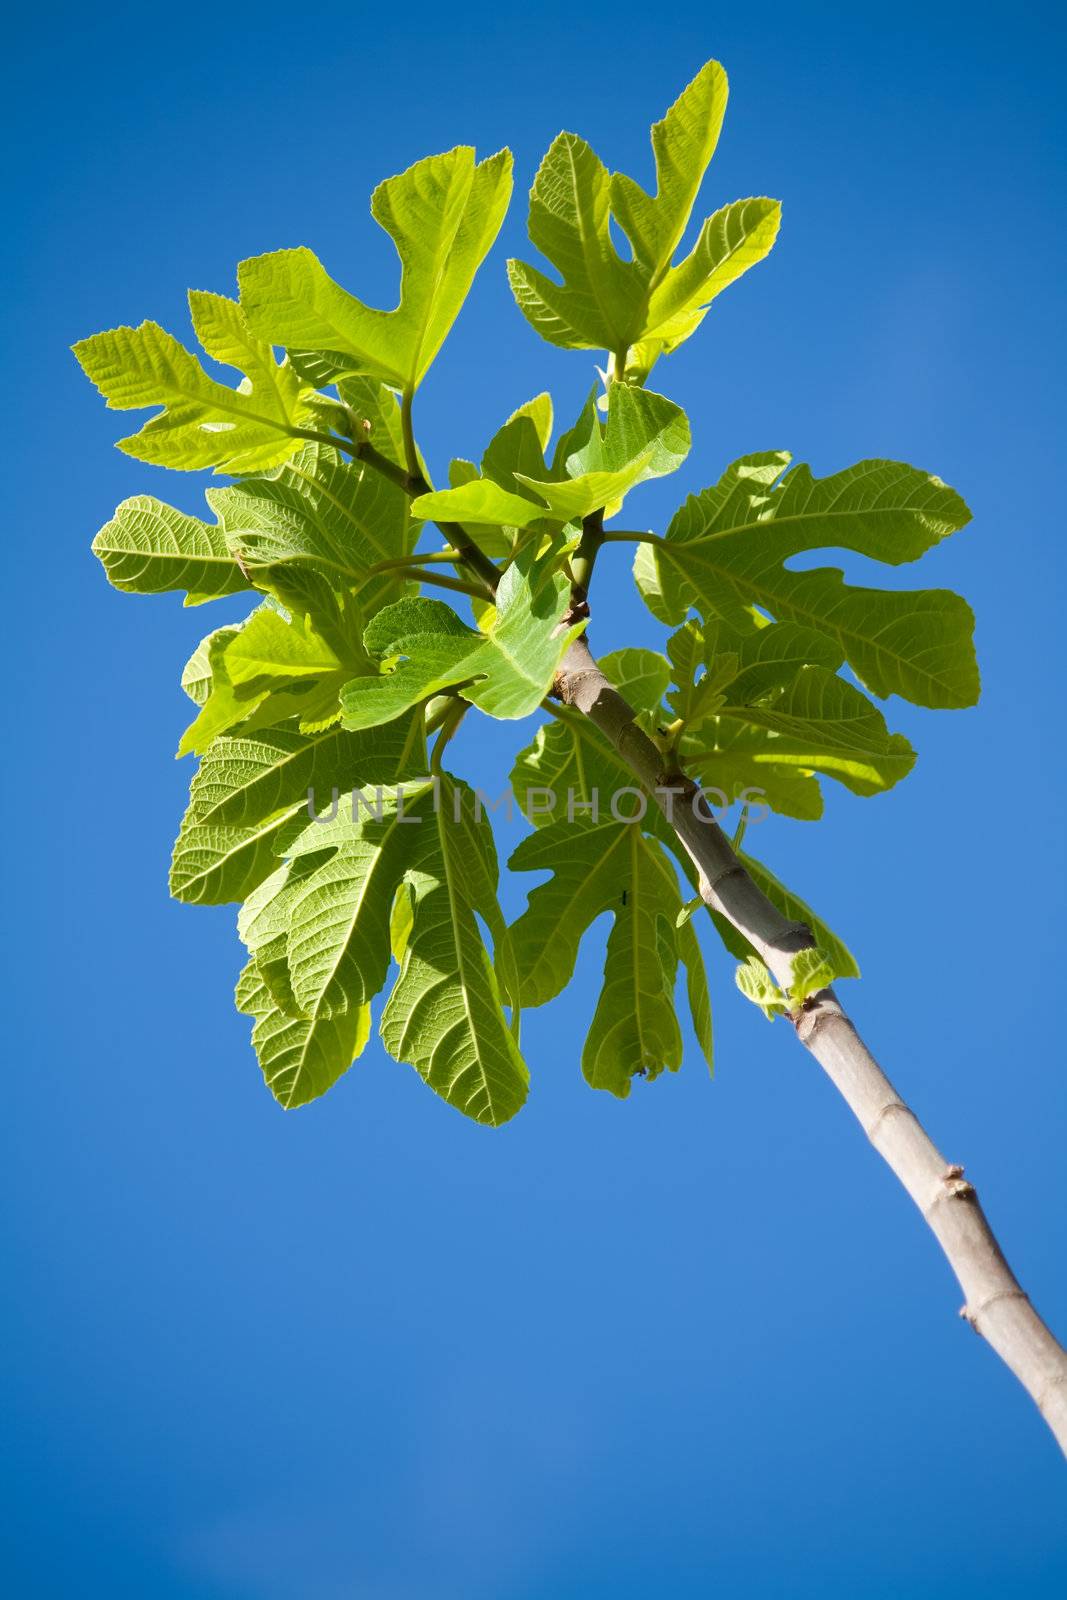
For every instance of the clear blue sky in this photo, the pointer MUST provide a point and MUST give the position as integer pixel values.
(694, 1344)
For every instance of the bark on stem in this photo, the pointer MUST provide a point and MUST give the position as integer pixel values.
(995, 1305)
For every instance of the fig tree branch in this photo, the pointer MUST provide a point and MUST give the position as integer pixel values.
(995, 1305)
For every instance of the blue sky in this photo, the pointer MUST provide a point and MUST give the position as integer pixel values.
(695, 1343)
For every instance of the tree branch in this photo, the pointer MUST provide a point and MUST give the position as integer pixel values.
(995, 1305)
(584, 558)
(441, 581)
(475, 557)
(456, 535)
(413, 482)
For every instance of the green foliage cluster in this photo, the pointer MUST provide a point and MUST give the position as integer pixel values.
(351, 672)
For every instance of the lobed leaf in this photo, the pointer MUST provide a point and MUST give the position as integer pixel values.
(409, 875)
(215, 863)
(150, 548)
(203, 422)
(822, 724)
(339, 937)
(325, 515)
(599, 863)
(519, 445)
(598, 305)
(635, 1031)
(567, 763)
(265, 672)
(641, 308)
(726, 551)
(506, 672)
(736, 238)
(596, 463)
(301, 1057)
(443, 215)
(445, 1014)
(762, 709)
(251, 786)
(683, 144)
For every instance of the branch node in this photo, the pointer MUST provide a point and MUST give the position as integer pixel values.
(565, 684)
(883, 1112)
(811, 1016)
(956, 1185)
(971, 1314)
(678, 781)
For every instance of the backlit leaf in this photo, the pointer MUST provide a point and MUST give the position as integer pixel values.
(149, 548)
(204, 423)
(637, 309)
(506, 672)
(445, 1013)
(443, 215)
(727, 549)
(643, 436)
